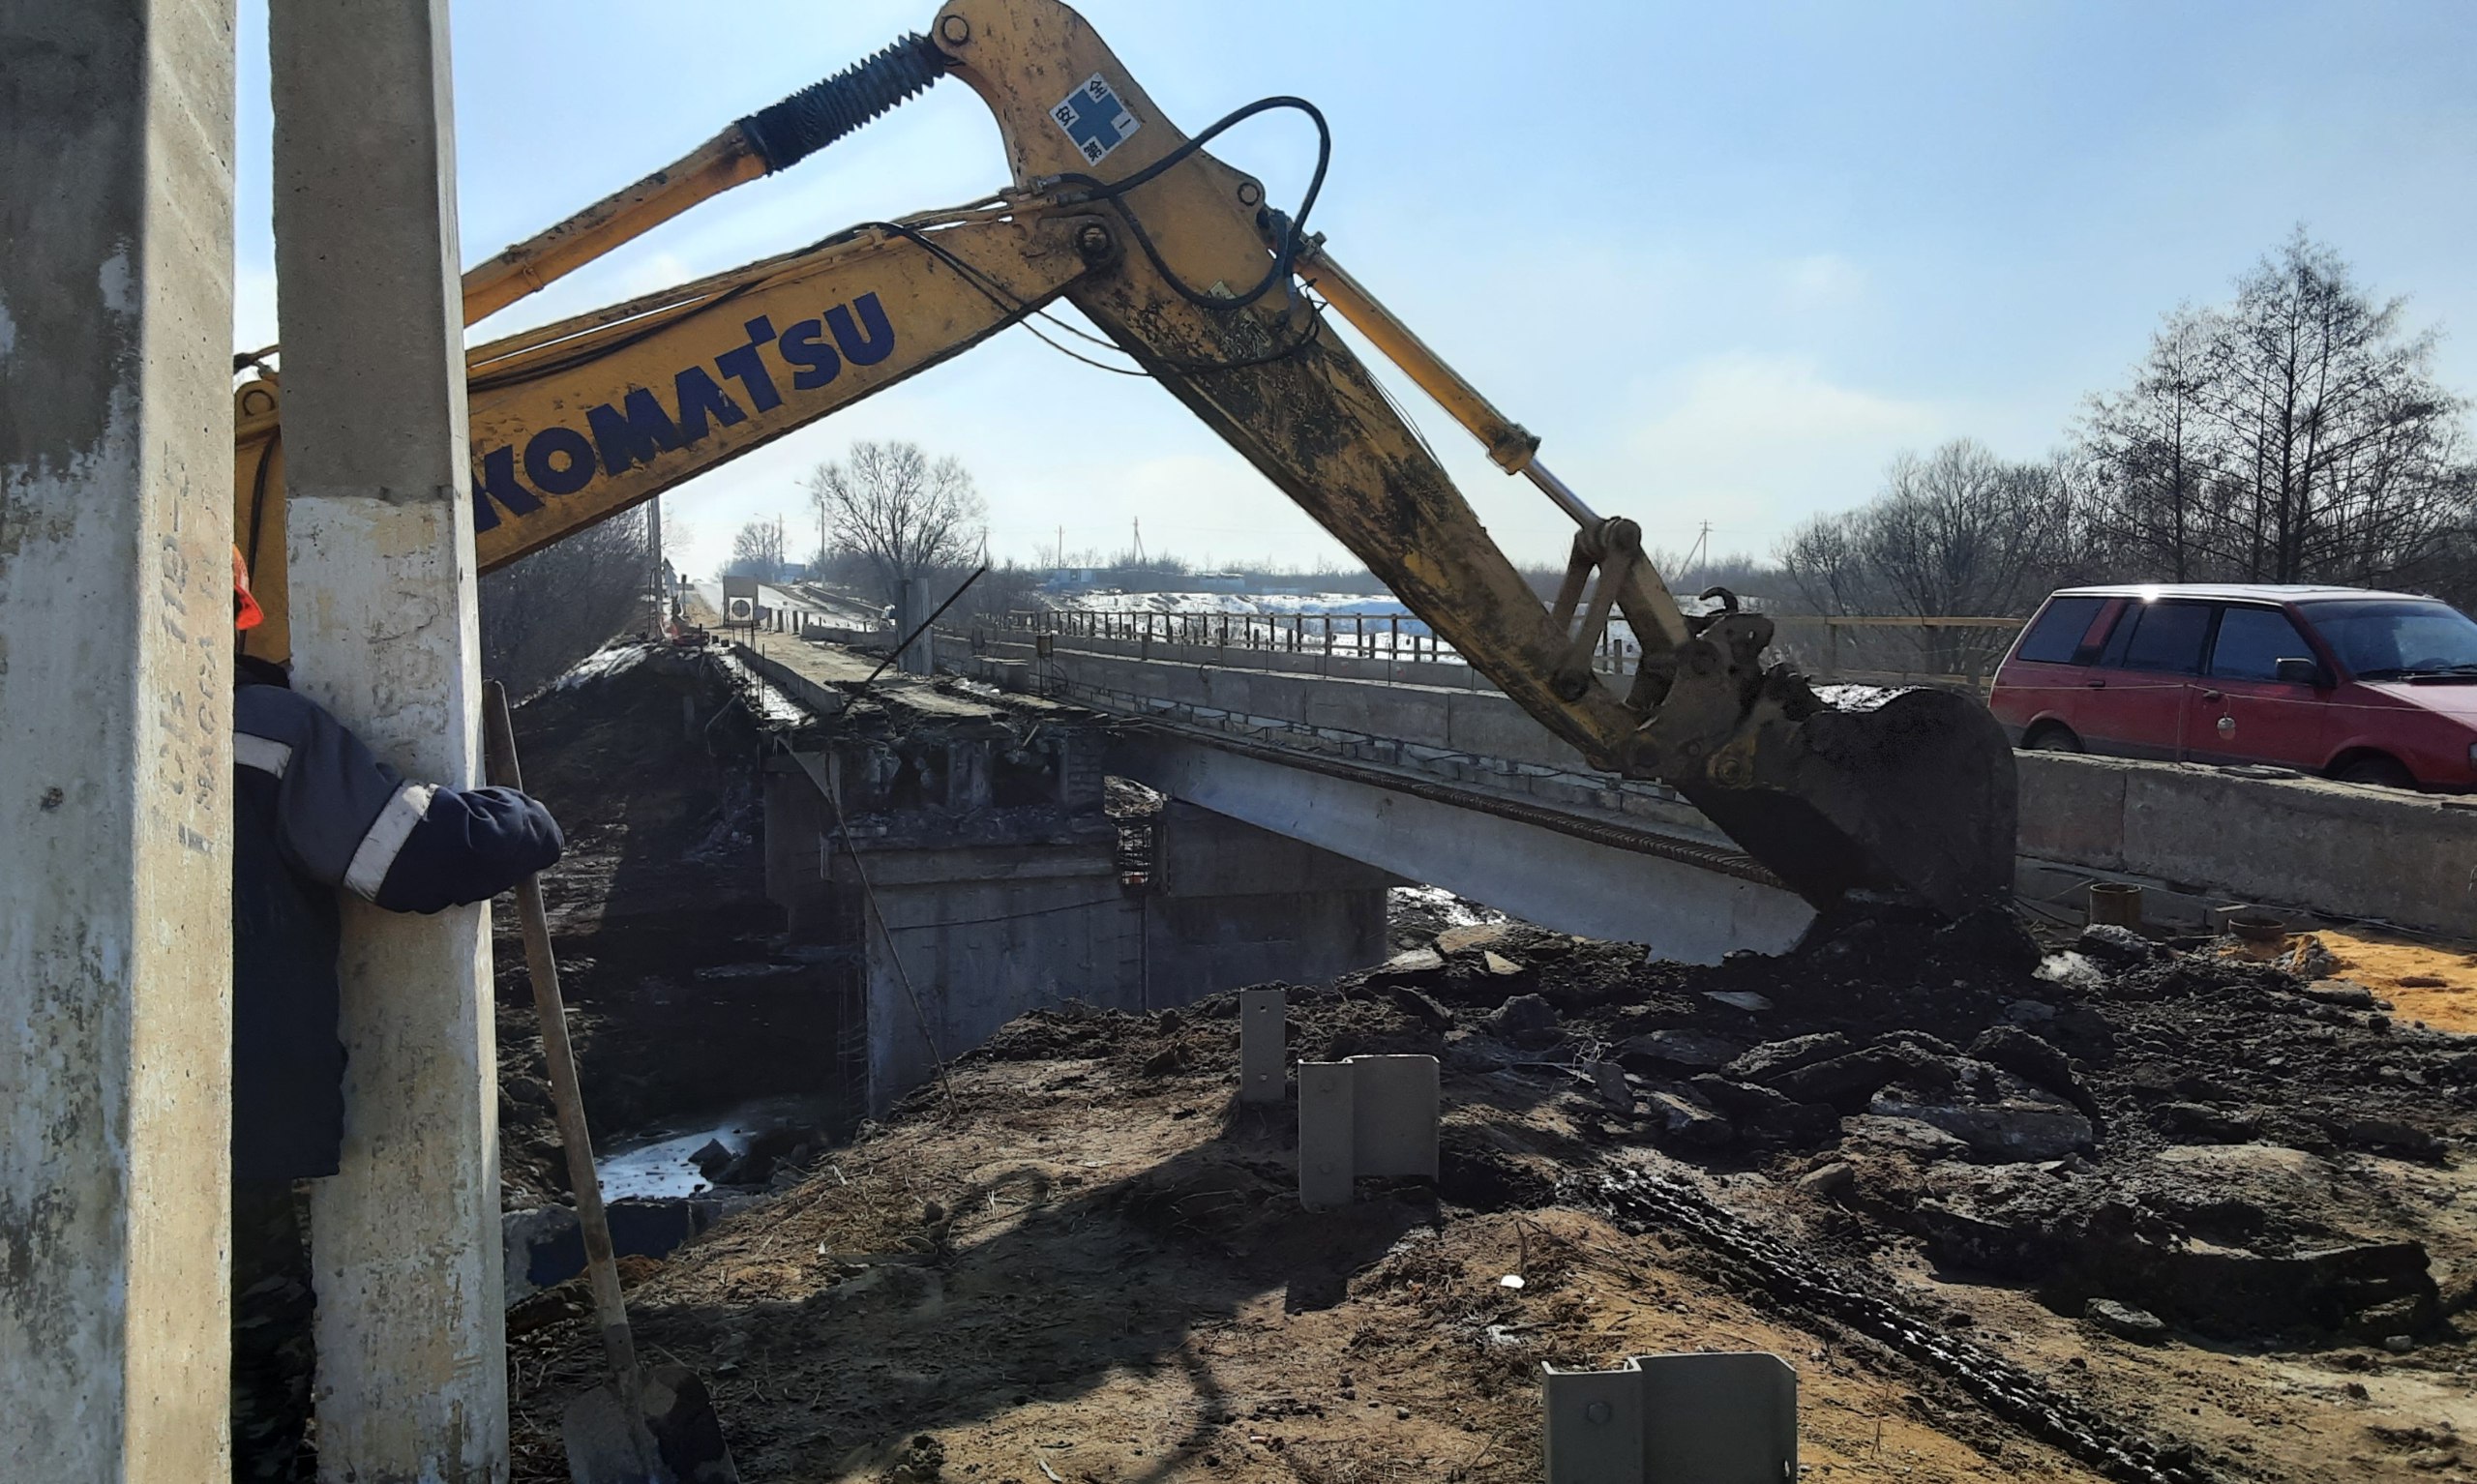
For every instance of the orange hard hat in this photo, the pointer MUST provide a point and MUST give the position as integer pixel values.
(246, 612)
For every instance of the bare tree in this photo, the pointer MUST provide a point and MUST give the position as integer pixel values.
(2150, 454)
(1959, 532)
(2296, 434)
(902, 513)
(1964, 532)
(678, 535)
(756, 551)
(543, 613)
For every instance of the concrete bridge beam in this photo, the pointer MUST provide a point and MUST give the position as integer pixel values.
(1544, 876)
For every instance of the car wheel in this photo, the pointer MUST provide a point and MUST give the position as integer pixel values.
(2053, 739)
(2380, 771)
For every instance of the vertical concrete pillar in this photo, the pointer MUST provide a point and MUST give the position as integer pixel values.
(1264, 1024)
(115, 727)
(919, 657)
(411, 1366)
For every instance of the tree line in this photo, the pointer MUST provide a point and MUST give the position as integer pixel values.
(543, 613)
(2296, 432)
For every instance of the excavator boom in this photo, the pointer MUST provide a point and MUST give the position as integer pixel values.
(1178, 258)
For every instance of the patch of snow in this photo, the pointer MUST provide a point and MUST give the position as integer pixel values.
(601, 664)
(1451, 910)
(777, 708)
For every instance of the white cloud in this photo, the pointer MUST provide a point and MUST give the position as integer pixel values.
(1823, 279)
(1755, 443)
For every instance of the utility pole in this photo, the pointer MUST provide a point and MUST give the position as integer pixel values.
(115, 740)
(661, 583)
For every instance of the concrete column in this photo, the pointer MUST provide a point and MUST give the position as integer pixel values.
(919, 657)
(115, 727)
(411, 1368)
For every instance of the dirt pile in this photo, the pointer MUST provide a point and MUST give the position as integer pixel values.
(1910, 1160)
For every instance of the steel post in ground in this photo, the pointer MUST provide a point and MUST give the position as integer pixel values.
(1262, 1027)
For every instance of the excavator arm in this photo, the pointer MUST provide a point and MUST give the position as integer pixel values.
(1176, 256)
(573, 423)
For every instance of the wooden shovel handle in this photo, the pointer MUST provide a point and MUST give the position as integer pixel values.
(566, 1100)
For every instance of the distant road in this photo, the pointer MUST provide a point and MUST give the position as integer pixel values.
(801, 598)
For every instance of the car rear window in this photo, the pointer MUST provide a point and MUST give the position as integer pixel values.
(2252, 642)
(2060, 634)
(2166, 637)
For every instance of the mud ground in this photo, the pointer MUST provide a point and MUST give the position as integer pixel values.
(1082, 1256)
(1910, 1161)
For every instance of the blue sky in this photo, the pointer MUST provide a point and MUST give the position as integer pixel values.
(1725, 260)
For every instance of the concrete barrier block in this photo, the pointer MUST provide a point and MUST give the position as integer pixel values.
(1364, 1115)
(1339, 706)
(2072, 808)
(1727, 1418)
(2339, 848)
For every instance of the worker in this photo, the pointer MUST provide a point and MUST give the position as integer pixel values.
(314, 813)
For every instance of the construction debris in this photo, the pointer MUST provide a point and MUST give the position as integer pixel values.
(1945, 1174)
(1923, 1175)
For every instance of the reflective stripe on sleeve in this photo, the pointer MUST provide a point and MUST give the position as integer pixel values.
(386, 836)
(265, 753)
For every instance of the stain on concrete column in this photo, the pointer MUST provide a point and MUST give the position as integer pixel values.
(115, 725)
(412, 1377)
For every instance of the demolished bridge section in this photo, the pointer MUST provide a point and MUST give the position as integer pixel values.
(961, 856)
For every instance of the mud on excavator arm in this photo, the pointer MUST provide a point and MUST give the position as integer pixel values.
(1905, 795)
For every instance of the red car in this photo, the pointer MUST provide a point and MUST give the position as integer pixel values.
(2366, 687)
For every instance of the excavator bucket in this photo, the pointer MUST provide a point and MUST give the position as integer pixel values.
(1901, 796)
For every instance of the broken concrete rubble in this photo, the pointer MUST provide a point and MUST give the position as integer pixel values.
(1526, 1019)
(2124, 1322)
(1681, 1049)
(1772, 1057)
(2026, 1124)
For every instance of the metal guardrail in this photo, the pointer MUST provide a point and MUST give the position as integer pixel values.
(1403, 636)
(1343, 635)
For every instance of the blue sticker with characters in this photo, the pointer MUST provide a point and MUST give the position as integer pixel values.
(1094, 119)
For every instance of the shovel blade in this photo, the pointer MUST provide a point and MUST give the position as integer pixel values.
(672, 1437)
(686, 1432)
(606, 1444)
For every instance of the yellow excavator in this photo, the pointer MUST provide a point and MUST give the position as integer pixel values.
(1869, 796)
